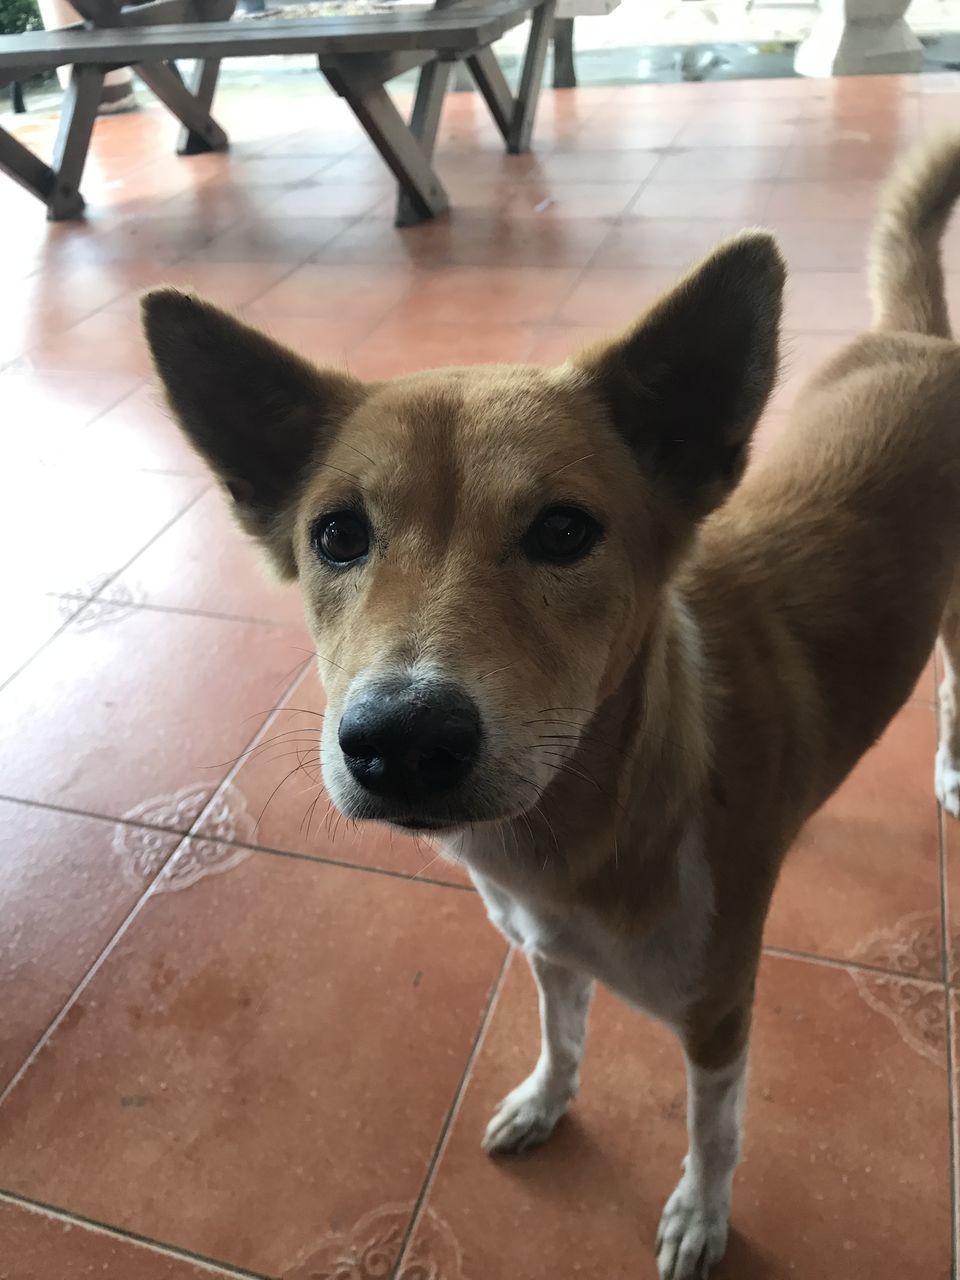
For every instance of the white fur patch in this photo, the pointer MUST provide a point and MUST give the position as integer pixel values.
(692, 1236)
(947, 780)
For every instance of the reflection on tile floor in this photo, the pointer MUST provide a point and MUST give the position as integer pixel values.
(241, 1038)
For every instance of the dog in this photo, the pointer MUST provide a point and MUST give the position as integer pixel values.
(569, 637)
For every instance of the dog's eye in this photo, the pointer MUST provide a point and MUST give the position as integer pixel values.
(341, 537)
(561, 534)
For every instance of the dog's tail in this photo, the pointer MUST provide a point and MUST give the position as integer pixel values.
(905, 268)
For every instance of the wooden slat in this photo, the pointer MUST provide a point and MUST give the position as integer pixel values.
(448, 32)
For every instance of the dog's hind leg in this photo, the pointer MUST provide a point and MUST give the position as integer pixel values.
(527, 1115)
(692, 1235)
(948, 749)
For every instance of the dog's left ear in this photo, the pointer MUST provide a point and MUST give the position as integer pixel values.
(687, 383)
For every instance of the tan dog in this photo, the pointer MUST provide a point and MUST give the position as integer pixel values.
(562, 633)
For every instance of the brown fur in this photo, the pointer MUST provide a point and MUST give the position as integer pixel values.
(735, 644)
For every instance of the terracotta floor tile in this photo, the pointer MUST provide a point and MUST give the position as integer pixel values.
(265, 239)
(277, 800)
(30, 620)
(826, 301)
(828, 199)
(746, 202)
(322, 340)
(36, 1245)
(337, 293)
(66, 883)
(614, 130)
(846, 1146)
(555, 344)
(723, 164)
(843, 159)
(272, 171)
(132, 711)
(663, 242)
(81, 534)
(624, 166)
(485, 295)
(821, 245)
(44, 413)
(436, 345)
(545, 200)
(329, 200)
(610, 298)
(751, 130)
(163, 237)
(102, 343)
(137, 434)
(228, 284)
(862, 882)
(472, 237)
(257, 1126)
(204, 562)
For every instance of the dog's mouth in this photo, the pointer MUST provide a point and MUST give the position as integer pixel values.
(415, 823)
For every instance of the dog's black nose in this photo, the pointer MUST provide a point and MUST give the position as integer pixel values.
(413, 742)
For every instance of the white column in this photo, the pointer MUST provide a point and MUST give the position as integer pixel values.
(853, 37)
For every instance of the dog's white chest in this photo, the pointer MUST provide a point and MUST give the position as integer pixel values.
(658, 972)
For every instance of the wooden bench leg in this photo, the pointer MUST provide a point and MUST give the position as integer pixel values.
(202, 84)
(29, 170)
(531, 78)
(424, 122)
(514, 116)
(389, 133)
(491, 82)
(564, 68)
(165, 82)
(77, 117)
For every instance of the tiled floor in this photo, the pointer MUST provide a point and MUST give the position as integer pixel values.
(240, 1038)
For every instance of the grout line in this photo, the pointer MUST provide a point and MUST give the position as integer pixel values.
(134, 911)
(204, 489)
(451, 1116)
(82, 985)
(241, 760)
(68, 1217)
(945, 936)
(81, 605)
(952, 1131)
(616, 224)
(833, 962)
(324, 860)
(253, 846)
(96, 597)
(177, 609)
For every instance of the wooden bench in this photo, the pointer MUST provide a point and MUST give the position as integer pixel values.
(357, 55)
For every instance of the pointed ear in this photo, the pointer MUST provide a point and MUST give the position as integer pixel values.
(257, 413)
(687, 383)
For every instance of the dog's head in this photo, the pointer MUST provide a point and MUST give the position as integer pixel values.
(481, 551)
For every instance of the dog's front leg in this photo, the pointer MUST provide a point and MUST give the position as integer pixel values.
(528, 1114)
(693, 1229)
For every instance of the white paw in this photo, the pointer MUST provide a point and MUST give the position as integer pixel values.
(947, 780)
(692, 1236)
(526, 1117)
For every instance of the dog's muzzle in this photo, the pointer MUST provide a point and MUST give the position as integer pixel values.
(410, 743)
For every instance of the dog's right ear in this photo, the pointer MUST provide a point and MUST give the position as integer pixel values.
(256, 412)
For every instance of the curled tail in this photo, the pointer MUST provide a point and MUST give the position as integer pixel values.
(905, 268)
